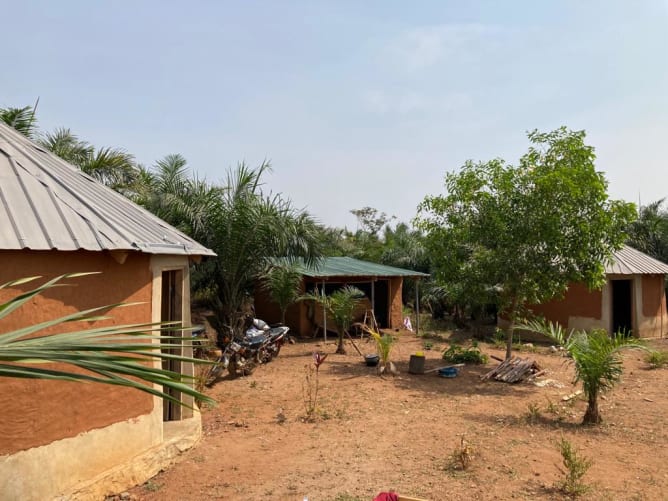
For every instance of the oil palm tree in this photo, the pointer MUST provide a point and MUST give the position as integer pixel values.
(21, 119)
(341, 306)
(121, 355)
(113, 167)
(247, 230)
(596, 356)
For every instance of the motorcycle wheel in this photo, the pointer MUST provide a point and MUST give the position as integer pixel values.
(236, 371)
(214, 373)
(263, 356)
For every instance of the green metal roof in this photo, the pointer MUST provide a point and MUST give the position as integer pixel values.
(350, 267)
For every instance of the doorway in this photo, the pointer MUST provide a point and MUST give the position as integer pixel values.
(622, 306)
(171, 310)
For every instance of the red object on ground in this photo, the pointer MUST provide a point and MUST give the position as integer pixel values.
(386, 496)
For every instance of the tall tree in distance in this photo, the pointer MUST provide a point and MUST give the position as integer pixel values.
(526, 232)
(649, 233)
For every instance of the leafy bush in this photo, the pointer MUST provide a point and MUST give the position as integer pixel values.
(576, 466)
(458, 355)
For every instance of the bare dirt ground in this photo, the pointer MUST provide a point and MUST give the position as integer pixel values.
(375, 434)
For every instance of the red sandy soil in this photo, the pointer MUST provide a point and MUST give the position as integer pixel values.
(399, 433)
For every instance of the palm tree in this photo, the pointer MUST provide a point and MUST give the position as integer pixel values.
(283, 283)
(66, 145)
(597, 359)
(649, 233)
(247, 230)
(113, 167)
(184, 202)
(121, 355)
(21, 119)
(341, 306)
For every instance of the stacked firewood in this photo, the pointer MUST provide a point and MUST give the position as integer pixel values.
(514, 370)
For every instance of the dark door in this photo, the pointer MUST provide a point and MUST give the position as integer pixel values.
(622, 312)
(381, 308)
(172, 282)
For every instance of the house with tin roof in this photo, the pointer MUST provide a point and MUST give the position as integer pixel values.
(633, 298)
(67, 440)
(381, 284)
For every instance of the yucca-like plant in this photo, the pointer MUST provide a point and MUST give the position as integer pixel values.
(596, 355)
(122, 355)
(341, 306)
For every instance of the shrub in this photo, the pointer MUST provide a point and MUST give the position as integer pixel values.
(576, 466)
(459, 355)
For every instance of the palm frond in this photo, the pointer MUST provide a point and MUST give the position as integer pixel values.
(124, 355)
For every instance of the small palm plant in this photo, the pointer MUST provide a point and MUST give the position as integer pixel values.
(283, 283)
(121, 355)
(384, 345)
(341, 306)
(597, 359)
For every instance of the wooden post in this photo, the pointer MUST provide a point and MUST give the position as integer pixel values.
(324, 312)
(417, 307)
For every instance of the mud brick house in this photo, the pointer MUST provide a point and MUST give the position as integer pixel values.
(633, 299)
(77, 440)
(381, 285)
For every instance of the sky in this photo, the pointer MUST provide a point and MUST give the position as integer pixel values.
(354, 103)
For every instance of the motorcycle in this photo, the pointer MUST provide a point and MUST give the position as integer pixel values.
(259, 345)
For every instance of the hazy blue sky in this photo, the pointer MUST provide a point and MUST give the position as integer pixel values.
(356, 103)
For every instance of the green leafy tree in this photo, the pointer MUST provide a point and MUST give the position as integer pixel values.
(340, 305)
(283, 283)
(121, 355)
(597, 359)
(520, 235)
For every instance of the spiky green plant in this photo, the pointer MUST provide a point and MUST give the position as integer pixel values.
(123, 355)
(596, 355)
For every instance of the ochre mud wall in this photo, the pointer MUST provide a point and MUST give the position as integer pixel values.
(37, 412)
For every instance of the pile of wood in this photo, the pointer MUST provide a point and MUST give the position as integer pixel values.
(514, 370)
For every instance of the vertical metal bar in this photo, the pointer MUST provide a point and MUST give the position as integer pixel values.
(373, 298)
(417, 307)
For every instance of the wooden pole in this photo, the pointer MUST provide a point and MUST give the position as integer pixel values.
(324, 312)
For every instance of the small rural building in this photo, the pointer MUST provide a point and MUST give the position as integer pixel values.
(82, 440)
(381, 285)
(633, 299)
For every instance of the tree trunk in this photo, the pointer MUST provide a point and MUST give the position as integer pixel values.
(282, 317)
(511, 328)
(592, 416)
(340, 349)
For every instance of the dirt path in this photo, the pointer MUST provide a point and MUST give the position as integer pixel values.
(375, 434)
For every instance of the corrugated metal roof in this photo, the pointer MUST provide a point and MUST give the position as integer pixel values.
(629, 261)
(350, 267)
(46, 203)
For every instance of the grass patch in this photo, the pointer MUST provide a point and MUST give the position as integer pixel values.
(657, 359)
